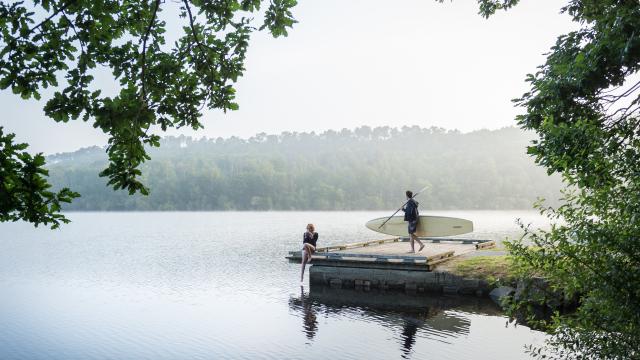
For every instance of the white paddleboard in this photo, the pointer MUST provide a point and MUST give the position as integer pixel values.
(428, 226)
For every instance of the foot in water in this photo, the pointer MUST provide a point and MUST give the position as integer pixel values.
(421, 247)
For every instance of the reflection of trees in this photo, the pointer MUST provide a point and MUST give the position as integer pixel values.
(304, 305)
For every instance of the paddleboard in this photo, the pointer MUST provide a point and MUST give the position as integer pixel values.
(428, 226)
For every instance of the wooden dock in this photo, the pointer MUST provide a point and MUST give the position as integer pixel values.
(387, 264)
(393, 253)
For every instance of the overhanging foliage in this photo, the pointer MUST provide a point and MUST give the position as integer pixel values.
(159, 85)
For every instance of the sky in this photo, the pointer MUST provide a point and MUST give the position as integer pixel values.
(349, 63)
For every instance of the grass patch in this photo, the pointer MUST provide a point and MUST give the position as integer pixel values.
(490, 268)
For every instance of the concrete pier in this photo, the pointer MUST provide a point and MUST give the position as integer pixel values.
(394, 279)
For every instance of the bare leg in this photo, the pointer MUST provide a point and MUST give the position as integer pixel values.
(309, 249)
(307, 252)
(304, 264)
(419, 242)
(413, 250)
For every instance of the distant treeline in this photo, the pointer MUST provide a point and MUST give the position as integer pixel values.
(363, 168)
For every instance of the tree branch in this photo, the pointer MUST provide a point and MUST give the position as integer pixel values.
(73, 27)
(614, 98)
(55, 13)
(200, 45)
(145, 37)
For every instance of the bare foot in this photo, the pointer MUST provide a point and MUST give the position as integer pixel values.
(421, 247)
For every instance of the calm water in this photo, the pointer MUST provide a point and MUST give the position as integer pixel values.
(210, 285)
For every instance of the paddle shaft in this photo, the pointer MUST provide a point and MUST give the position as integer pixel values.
(405, 203)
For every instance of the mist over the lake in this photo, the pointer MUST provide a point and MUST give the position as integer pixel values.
(361, 169)
(328, 179)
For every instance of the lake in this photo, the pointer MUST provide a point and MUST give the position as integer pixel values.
(208, 285)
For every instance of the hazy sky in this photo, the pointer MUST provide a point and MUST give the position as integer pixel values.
(349, 63)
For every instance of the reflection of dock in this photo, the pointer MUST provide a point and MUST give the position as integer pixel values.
(405, 313)
(401, 302)
(387, 264)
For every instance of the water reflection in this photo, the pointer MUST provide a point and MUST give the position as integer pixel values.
(168, 286)
(411, 316)
(305, 305)
(409, 336)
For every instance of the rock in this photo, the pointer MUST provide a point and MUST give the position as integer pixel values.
(500, 293)
(532, 289)
(536, 291)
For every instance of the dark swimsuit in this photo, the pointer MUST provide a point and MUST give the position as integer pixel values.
(308, 239)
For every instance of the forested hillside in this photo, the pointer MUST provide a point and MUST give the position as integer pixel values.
(363, 168)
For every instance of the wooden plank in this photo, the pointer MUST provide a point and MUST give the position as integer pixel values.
(388, 253)
(485, 245)
(440, 256)
(454, 239)
(437, 240)
(356, 245)
(356, 255)
(374, 259)
(431, 263)
(392, 264)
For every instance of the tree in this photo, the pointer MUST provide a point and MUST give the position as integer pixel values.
(583, 104)
(159, 85)
(188, 174)
(24, 191)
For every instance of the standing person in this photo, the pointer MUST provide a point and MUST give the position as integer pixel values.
(411, 215)
(309, 240)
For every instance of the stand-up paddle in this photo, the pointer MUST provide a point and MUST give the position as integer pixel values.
(405, 203)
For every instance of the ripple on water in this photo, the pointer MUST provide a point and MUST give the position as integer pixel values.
(216, 285)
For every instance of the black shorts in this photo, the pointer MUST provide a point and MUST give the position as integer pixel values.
(413, 225)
